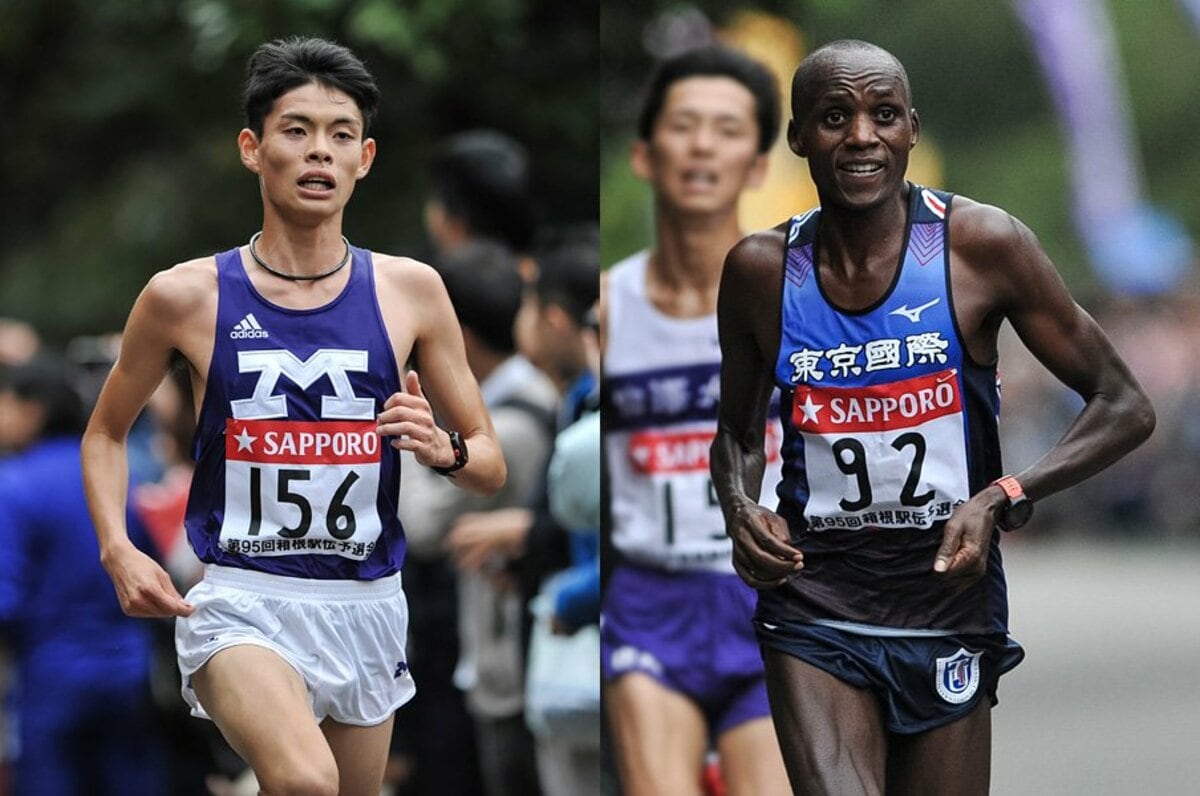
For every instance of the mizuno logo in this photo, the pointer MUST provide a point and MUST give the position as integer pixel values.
(914, 314)
(248, 327)
(401, 670)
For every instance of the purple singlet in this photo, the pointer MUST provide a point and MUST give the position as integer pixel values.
(291, 477)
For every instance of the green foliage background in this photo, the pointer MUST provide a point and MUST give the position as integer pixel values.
(982, 100)
(120, 120)
(117, 140)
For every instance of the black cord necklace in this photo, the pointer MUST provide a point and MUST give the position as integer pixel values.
(295, 277)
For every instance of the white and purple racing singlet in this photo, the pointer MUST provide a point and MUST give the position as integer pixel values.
(291, 477)
(888, 427)
(661, 385)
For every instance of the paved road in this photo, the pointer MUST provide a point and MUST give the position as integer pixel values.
(1107, 701)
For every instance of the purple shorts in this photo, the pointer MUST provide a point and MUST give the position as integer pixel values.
(691, 631)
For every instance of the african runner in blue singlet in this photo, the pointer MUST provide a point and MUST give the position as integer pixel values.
(889, 425)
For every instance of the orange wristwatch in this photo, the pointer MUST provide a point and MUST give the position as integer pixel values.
(1019, 508)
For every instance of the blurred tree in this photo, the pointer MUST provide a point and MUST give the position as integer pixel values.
(976, 84)
(121, 119)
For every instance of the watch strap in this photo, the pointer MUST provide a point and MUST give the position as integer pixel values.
(459, 446)
(1011, 486)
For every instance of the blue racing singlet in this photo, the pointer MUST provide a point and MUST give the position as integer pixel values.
(889, 427)
(291, 477)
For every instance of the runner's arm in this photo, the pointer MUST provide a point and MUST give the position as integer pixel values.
(762, 552)
(143, 587)
(453, 394)
(1117, 415)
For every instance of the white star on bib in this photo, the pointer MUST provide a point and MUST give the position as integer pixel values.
(810, 409)
(245, 441)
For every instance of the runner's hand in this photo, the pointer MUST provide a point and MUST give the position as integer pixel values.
(408, 418)
(478, 541)
(966, 539)
(143, 587)
(762, 551)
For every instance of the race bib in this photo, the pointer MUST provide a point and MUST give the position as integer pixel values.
(674, 466)
(301, 487)
(884, 456)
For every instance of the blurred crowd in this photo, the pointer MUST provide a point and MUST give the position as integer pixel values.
(92, 701)
(1149, 495)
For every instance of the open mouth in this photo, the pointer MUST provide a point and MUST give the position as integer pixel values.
(317, 184)
(862, 169)
(699, 178)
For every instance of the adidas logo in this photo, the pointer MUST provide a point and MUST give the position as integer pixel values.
(248, 327)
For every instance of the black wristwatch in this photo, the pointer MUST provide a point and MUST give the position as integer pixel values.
(1019, 508)
(459, 446)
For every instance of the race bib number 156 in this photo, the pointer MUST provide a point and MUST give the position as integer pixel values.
(294, 487)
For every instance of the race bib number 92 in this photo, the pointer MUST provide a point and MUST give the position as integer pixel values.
(884, 456)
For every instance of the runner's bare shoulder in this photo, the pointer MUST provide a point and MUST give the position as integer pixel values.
(996, 248)
(410, 277)
(981, 232)
(183, 289)
(756, 257)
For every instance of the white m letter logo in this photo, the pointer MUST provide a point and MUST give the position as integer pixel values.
(334, 363)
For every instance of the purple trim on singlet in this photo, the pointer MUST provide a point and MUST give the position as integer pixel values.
(247, 322)
(663, 397)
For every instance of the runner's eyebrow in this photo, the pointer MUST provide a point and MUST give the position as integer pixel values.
(303, 119)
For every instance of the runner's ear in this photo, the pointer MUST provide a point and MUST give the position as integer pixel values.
(247, 143)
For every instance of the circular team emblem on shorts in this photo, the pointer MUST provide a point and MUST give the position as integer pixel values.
(957, 677)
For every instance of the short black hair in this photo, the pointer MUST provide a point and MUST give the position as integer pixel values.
(569, 272)
(279, 66)
(484, 285)
(715, 60)
(52, 385)
(818, 58)
(482, 177)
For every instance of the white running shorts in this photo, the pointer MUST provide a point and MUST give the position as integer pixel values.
(345, 638)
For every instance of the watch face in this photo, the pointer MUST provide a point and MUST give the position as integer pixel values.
(1018, 513)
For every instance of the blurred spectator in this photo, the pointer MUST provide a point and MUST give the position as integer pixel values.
(573, 490)
(19, 342)
(1149, 493)
(549, 333)
(556, 331)
(479, 188)
(162, 504)
(81, 697)
(483, 285)
(92, 357)
(555, 313)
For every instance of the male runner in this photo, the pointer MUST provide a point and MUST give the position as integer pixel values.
(294, 641)
(680, 663)
(882, 605)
